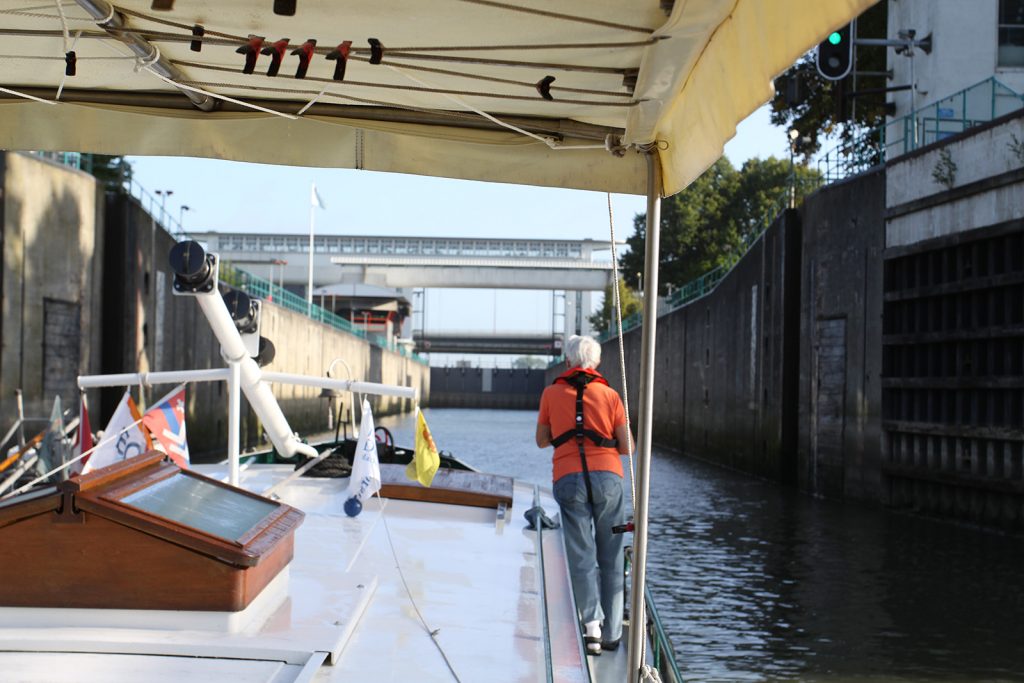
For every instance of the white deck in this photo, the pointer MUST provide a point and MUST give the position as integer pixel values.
(341, 613)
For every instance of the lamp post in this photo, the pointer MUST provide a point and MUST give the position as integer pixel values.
(181, 215)
(794, 134)
(163, 194)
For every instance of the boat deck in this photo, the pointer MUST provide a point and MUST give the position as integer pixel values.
(351, 606)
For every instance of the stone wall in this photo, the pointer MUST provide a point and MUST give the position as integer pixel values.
(151, 329)
(50, 283)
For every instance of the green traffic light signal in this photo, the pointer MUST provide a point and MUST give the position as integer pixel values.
(835, 38)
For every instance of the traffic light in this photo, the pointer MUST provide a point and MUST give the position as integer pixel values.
(835, 54)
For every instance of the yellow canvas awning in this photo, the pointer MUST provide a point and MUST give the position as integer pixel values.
(459, 84)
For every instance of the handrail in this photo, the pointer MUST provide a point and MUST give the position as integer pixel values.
(663, 657)
(972, 106)
(264, 289)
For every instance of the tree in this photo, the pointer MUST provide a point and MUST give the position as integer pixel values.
(707, 224)
(817, 107)
(603, 319)
(112, 171)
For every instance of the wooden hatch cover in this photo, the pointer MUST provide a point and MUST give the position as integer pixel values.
(454, 487)
(143, 534)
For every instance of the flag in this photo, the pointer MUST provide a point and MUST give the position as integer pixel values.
(426, 460)
(53, 451)
(315, 199)
(83, 440)
(166, 422)
(121, 438)
(365, 478)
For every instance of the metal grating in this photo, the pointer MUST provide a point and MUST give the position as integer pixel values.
(953, 377)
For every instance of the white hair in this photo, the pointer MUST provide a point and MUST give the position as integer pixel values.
(583, 352)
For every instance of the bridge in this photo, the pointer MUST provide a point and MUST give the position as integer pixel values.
(540, 344)
(428, 262)
(394, 261)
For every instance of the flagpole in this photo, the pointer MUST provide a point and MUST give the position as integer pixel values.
(312, 218)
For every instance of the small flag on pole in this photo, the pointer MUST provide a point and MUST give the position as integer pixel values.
(83, 440)
(315, 199)
(166, 422)
(365, 478)
(123, 438)
(426, 459)
(53, 451)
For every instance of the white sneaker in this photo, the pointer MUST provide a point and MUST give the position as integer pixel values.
(592, 637)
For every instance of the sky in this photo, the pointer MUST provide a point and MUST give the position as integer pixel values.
(242, 197)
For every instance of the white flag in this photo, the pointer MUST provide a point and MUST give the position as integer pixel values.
(121, 439)
(315, 199)
(365, 479)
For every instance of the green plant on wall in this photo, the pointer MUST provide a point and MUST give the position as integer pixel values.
(944, 172)
(1017, 148)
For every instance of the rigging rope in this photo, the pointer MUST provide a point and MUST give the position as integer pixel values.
(647, 673)
(622, 355)
(71, 462)
(424, 87)
(431, 632)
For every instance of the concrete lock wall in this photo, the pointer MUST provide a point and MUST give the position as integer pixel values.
(517, 389)
(147, 328)
(721, 392)
(840, 338)
(50, 283)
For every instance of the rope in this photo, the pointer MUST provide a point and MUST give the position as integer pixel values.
(63, 25)
(71, 462)
(312, 101)
(144, 63)
(431, 632)
(424, 87)
(183, 85)
(622, 353)
(556, 15)
(550, 142)
(647, 673)
(64, 78)
(26, 96)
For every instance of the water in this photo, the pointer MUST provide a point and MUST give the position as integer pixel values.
(755, 582)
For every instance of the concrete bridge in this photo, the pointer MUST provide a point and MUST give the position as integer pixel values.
(540, 344)
(429, 262)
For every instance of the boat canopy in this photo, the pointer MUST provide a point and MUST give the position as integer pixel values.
(519, 92)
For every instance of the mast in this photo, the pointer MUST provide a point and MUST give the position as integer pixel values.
(637, 611)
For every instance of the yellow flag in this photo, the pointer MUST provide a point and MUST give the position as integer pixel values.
(426, 461)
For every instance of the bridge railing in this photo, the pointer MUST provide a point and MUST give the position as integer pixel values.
(256, 286)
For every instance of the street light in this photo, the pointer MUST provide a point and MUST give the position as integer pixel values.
(163, 194)
(181, 215)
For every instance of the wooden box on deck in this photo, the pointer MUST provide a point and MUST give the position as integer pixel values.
(78, 545)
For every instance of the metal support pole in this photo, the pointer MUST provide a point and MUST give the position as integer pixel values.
(638, 617)
(234, 414)
(106, 16)
(20, 399)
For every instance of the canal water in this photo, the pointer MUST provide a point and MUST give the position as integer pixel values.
(757, 582)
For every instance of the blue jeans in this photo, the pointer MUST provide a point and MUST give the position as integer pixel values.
(594, 552)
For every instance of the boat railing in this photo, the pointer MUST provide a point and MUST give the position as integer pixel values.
(662, 655)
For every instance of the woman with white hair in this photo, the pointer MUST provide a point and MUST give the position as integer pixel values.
(583, 418)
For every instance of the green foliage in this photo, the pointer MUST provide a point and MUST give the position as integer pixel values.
(817, 107)
(603, 319)
(944, 172)
(708, 223)
(112, 171)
